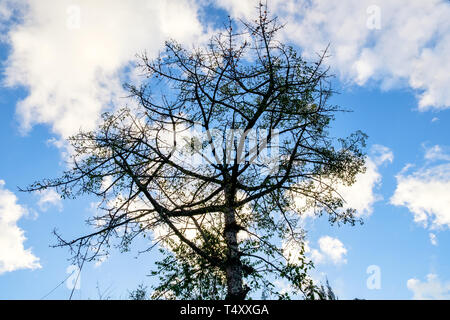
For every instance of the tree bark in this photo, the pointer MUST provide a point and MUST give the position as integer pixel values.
(235, 287)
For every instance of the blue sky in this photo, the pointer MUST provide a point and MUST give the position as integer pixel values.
(392, 69)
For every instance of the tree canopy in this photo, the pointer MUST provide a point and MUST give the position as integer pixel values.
(224, 149)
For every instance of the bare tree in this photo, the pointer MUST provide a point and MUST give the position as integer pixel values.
(211, 162)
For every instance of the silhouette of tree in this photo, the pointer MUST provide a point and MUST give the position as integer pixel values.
(222, 206)
(326, 292)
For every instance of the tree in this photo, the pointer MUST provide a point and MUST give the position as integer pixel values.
(325, 292)
(139, 294)
(223, 151)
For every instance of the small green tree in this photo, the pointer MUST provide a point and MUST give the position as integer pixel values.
(222, 210)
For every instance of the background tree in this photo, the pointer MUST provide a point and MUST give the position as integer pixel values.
(140, 293)
(325, 292)
(224, 214)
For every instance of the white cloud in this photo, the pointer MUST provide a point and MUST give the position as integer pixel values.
(73, 65)
(71, 56)
(13, 255)
(436, 153)
(238, 8)
(49, 197)
(425, 193)
(362, 195)
(431, 289)
(5, 10)
(283, 286)
(433, 239)
(330, 250)
(410, 48)
(294, 251)
(381, 154)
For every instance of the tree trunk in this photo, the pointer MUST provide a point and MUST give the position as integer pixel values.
(235, 288)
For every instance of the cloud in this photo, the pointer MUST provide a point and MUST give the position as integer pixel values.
(13, 255)
(238, 8)
(362, 195)
(8, 8)
(5, 10)
(430, 289)
(49, 197)
(330, 250)
(72, 57)
(283, 287)
(433, 239)
(436, 153)
(381, 154)
(294, 251)
(392, 43)
(425, 193)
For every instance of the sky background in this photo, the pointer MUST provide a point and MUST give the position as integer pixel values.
(64, 62)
